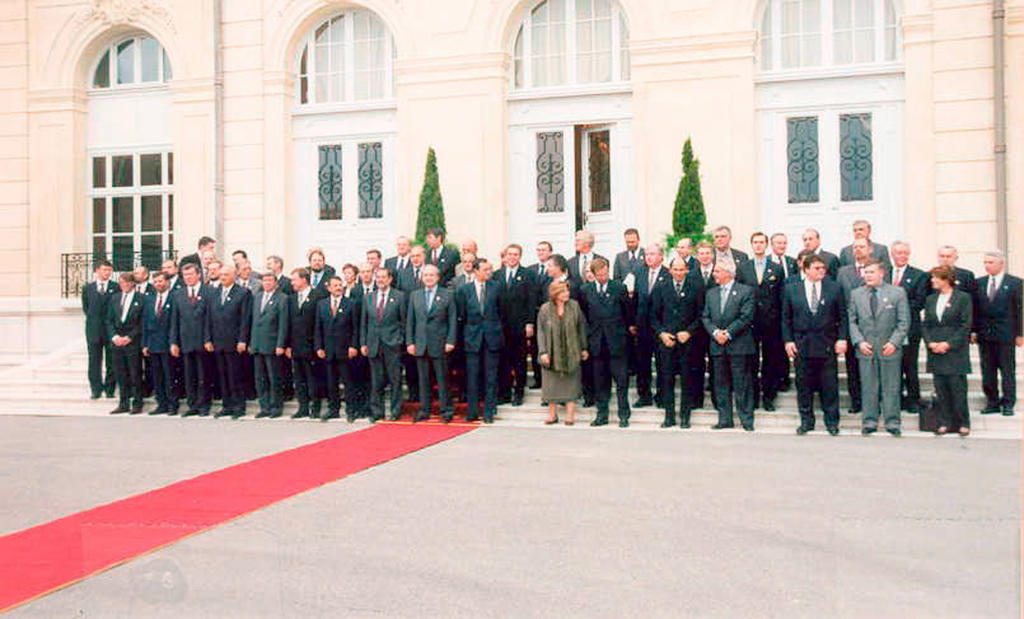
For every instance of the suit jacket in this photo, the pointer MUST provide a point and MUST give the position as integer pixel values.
(917, 284)
(767, 294)
(790, 269)
(737, 256)
(361, 290)
(188, 319)
(891, 324)
(407, 280)
(336, 334)
(519, 297)
(672, 312)
(832, 264)
(999, 320)
(270, 326)
(815, 334)
(954, 328)
(459, 281)
(482, 327)
(228, 324)
(390, 329)
(131, 326)
(301, 324)
(284, 284)
(448, 259)
(146, 289)
(624, 266)
(430, 329)
(94, 306)
(191, 259)
(849, 280)
(609, 317)
(698, 274)
(320, 288)
(965, 281)
(574, 267)
(737, 319)
(878, 252)
(392, 264)
(156, 330)
(643, 294)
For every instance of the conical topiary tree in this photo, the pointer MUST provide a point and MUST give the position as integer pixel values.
(688, 217)
(431, 211)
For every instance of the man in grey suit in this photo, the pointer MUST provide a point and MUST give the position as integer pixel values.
(851, 277)
(729, 319)
(381, 336)
(862, 230)
(879, 317)
(267, 340)
(430, 334)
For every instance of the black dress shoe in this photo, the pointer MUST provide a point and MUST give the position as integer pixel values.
(119, 410)
(221, 413)
(330, 415)
(1007, 411)
(300, 414)
(110, 394)
(471, 418)
(769, 406)
(274, 415)
(642, 402)
(350, 417)
(599, 421)
(238, 414)
(94, 396)
(855, 410)
(748, 427)
(867, 431)
(991, 410)
(190, 413)
(912, 409)
(488, 419)
(204, 413)
(535, 384)
(262, 414)
(623, 423)
(722, 426)
(802, 430)
(158, 411)
(172, 412)
(894, 431)
(668, 422)
(393, 417)
(833, 430)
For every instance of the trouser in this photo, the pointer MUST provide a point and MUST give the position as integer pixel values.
(439, 364)
(606, 368)
(482, 367)
(644, 350)
(997, 358)
(674, 361)
(513, 363)
(306, 388)
(249, 372)
(908, 370)
(732, 379)
(951, 401)
(196, 393)
(210, 375)
(163, 365)
(700, 367)
(287, 381)
(337, 374)
(534, 359)
(853, 380)
(147, 377)
(268, 383)
(359, 375)
(821, 375)
(98, 382)
(128, 370)
(386, 369)
(880, 388)
(231, 378)
(412, 380)
(766, 364)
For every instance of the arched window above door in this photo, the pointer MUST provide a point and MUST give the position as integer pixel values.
(348, 57)
(571, 42)
(132, 62)
(800, 34)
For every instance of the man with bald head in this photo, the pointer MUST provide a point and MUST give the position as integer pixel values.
(812, 242)
(997, 330)
(728, 318)
(851, 277)
(647, 280)
(917, 286)
(862, 230)
(228, 321)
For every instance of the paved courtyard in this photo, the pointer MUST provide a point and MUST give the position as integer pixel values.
(558, 521)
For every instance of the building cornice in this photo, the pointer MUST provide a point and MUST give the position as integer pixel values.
(56, 100)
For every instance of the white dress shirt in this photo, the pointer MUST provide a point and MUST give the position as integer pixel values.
(942, 303)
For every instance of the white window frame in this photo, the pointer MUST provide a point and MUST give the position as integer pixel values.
(349, 73)
(113, 85)
(350, 178)
(619, 76)
(772, 9)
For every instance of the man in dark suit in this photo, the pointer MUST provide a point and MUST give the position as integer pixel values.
(519, 301)
(579, 265)
(997, 329)
(124, 325)
(780, 243)
(275, 265)
(411, 277)
(381, 338)
(269, 338)
(728, 318)
(812, 242)
(336, 340)
(814, 330)
(765, 278)
(862, 230)
(684, 250)
(401, 260)
(481, 320)
(849, 278)
(444, 258)
(170, 269)
(701, 367)
(917, 285)
(142, 285)
(96, 296)
(965, 280)
(320, 273)
(156, 346)
(229, 318)
(609, 313)
(431, 332)
(206, 244)
(647, 280)
(724, 251)
(539, 270)
(675, 316)
(301, 349)
(188, 335)
(632, 258)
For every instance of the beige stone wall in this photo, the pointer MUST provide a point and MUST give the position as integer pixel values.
(692, 75)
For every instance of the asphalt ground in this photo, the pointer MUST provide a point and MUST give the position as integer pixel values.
(521, 522)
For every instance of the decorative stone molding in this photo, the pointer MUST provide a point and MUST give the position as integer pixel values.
(117, 12)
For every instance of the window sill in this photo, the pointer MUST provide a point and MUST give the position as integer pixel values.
(134, 89)
(606, 88)
(312, 109)
(817, 73)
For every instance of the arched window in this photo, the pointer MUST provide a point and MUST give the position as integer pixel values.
(821, 33)
(349, 57)
(132, 62)
(569, 42)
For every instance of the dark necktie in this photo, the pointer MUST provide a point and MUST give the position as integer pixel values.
(124, 304)
(334, 307)
(508, 278)
(159, 304)
(874, 302)
(416, 274)
(679, 287)
(991, 288)
(380, 305)
(815, 299)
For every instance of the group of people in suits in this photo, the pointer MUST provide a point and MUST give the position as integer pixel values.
(431, 319)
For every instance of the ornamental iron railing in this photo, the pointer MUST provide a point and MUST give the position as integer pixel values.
(75, 268)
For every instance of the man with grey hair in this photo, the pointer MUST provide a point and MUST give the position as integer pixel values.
(275, 265)
(647, 280)
(724, 252)
(811, 239)
(879, 318)
(917, 285)
(965, 280)
(728, 318)
(400, 261)
(862, 230)
(997, 329)
(430, 335)
(579, 265)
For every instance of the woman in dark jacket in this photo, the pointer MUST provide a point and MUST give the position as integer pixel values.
(946, 330)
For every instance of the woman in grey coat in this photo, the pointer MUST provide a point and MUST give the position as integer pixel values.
(946, 329)
(561, 346)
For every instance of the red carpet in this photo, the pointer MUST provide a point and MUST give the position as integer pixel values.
(40, 560)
